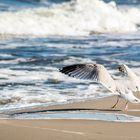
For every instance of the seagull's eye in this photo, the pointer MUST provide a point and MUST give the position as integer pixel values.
(120, 69)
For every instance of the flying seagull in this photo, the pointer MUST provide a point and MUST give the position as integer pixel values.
(99, 74)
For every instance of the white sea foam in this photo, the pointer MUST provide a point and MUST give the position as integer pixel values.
(31, 89)
(26, 88)
(73, 18)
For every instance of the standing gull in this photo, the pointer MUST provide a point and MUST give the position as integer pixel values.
(133, 82)
(99, 74)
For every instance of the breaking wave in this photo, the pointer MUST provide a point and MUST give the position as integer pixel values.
(71, 18)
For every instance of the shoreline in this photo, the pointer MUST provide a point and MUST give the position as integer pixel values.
(67, 129)
(102, 105)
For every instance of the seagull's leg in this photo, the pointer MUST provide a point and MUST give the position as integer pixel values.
(116, 103)
(126, 106)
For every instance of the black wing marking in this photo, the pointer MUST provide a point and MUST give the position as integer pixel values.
(82, 71)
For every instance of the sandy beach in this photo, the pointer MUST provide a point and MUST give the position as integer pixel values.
(67, 129)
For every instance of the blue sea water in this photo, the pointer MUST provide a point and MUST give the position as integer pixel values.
(39, 37)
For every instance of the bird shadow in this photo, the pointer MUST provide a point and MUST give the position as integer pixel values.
(63, 110)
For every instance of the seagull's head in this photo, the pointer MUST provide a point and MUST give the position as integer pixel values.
(122, 68)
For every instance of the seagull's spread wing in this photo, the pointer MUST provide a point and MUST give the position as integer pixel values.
(95, 72)
(82, 71)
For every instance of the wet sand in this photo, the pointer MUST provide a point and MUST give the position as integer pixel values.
(61, 129)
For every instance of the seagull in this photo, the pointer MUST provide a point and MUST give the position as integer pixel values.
(99, 74)
(133, 81)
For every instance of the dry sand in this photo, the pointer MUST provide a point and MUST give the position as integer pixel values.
(74, 129)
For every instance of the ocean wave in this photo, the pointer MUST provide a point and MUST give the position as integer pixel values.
(72, 18)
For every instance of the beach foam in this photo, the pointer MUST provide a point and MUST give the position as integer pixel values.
(72, 18)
